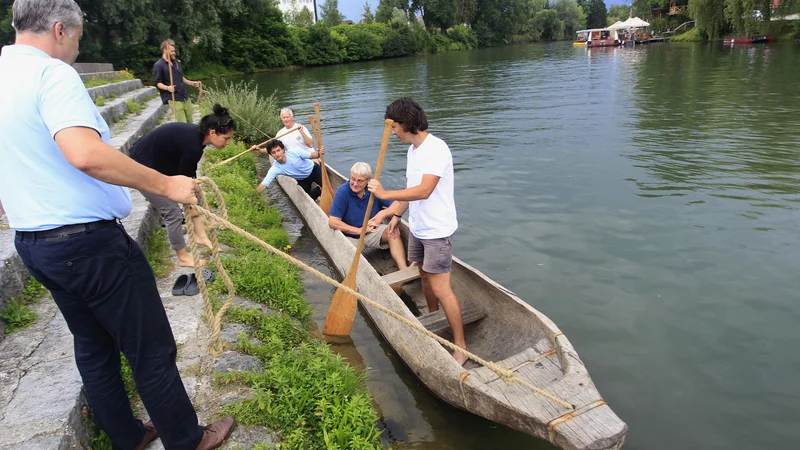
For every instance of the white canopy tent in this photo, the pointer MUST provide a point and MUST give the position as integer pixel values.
(618, 25)
(635, 22)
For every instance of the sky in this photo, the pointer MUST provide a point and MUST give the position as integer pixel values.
(352, 9)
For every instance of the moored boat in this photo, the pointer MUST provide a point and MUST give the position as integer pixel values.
(602, 37)
(498, 327)
(580, 40)
(750, 39)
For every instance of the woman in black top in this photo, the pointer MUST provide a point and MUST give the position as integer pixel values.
(175, 149)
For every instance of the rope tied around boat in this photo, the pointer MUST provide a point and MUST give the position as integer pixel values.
(215, 345)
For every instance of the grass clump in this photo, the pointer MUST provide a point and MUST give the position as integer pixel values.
(17, 314)
(159, 253)
(123, 75)
(308, 393)
(242, 98)
(100, 101)
(133, 107)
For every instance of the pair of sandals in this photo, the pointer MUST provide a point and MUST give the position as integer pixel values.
(187, 284)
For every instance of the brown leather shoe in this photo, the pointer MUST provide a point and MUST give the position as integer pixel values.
(216, 433)
(150, 435)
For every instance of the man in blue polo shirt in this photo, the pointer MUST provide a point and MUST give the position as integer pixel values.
(61, 185)
(350, 205)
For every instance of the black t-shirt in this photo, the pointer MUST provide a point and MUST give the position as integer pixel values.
(172, 149)
(161, 75)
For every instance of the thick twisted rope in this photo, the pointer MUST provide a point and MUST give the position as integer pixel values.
(214, 320)
(506, 375)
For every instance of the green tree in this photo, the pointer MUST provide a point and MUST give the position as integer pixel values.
(466, 11)
(710, 16)
(329, 13)
(385, 10)
(298, 16)
(367, 16)
(438, 13)
(618, 12)
(550, 27)
(6, 30)
(596, 17)
(571, 15)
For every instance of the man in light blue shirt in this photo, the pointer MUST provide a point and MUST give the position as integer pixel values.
(63, 188)
(293, 163)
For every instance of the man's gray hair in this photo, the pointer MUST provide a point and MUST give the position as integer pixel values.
(40, 16)
(363, 169)
(287, 110)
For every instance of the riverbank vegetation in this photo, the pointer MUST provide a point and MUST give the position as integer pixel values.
(17, 312)
(308, 394)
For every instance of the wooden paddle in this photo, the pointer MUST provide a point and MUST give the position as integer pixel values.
(342, 311)
(326, 200)
(295, 128)
(171, 83)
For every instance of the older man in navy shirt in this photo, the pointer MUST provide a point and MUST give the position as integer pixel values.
(350, 205)
(61, 185)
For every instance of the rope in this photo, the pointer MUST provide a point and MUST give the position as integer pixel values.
(245, 121)
(551, 426)
(214, 320)
(506, 375)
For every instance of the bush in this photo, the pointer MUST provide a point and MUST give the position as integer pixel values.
(322, 47)
(242, 98)
(461, 34)
(360, 42)
(399, 42)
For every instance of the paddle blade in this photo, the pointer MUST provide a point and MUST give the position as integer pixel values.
(342, 312)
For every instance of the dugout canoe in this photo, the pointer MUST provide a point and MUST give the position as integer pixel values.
(498, 327)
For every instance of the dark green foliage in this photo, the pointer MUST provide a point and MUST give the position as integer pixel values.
(6, 30)
(362, 42)
(17, 314)
(322, 48)
(596, 16)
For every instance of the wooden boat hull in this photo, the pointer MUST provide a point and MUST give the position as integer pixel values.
(513, 334)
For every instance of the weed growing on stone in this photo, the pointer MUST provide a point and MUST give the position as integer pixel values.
(133, 107)
(17, 314)
(159, 253)
(100, 101)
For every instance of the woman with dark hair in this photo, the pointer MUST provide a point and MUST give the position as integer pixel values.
(175, 149)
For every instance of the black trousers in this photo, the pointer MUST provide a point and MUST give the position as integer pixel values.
(314, 177)
(105, 288)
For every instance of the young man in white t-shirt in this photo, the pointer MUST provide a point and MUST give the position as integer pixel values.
(432, 210)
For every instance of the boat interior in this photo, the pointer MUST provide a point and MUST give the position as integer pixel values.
(497, 326)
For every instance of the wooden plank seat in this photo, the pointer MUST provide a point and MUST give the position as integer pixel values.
(402, 276)
(436, 322)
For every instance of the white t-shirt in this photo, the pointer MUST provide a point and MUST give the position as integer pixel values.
(294, 140)
(434, 217)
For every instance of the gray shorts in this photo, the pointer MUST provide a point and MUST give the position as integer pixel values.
(372, 240)
(436, 255)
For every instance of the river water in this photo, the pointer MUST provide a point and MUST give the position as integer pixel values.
(645, 199)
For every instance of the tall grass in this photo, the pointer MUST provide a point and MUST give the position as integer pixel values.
(243, 99)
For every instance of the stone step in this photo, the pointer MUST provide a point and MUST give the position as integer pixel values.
(125, 133)
(93, 67)
(116, 89)
(106, 75)
(114, 109)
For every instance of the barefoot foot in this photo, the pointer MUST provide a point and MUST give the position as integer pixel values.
(460, 358)
(189, 262)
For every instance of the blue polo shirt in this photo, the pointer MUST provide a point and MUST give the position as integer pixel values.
(298, 165)
(39, 188)
(348, 207)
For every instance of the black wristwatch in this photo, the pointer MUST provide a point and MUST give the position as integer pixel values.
(398, 215)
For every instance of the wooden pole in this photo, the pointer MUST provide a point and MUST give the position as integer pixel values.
(342, 311)
(326, 200)
(295, 128)
(171, 83)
